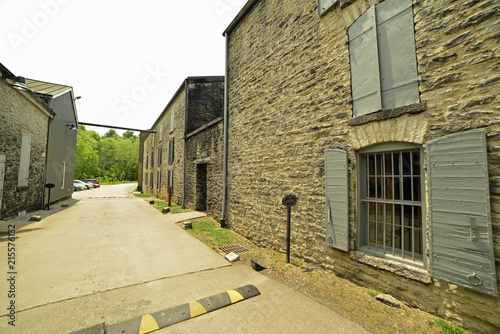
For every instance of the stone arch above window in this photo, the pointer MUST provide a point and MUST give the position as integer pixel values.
(391, 130)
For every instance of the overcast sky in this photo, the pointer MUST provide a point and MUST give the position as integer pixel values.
(126, 59)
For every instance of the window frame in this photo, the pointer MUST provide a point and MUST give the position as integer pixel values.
(363, 242)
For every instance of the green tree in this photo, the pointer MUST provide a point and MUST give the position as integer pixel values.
(128, 134)
(110, 134)
(110, 156)
(86, 159)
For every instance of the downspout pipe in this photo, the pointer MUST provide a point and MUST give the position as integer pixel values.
(223, 222)
(184, 144)
(47, 148)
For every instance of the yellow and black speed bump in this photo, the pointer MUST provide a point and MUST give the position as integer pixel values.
(151, 322)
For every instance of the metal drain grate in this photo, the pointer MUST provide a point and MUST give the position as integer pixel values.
(235, 248)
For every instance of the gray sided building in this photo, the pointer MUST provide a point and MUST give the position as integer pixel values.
(24, 125)
(60, 169)
(383, 117)
(185, 154)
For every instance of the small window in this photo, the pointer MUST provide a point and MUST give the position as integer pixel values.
(383, 58)
(151, 180)
(159, 156)
(392, 213)
(145, 179)
(170, 181)
(161, 130)
(158, 180)
(171, 151)
(172, 120)
(24, 163)
(152, 159)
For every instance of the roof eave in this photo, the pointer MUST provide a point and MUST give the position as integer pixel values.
(250, 5)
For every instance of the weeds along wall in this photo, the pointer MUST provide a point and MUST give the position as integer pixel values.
(291, 97)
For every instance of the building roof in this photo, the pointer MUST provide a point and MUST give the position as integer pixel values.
(48, 91)
(242, 15)
(46, 88)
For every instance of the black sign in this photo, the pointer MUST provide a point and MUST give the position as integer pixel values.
(289, 200)
(50, 185)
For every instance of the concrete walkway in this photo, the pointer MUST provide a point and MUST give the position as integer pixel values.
(112, 259)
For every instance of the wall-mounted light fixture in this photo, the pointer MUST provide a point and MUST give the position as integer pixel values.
(72, 126)
(20, 83)
(77, 98)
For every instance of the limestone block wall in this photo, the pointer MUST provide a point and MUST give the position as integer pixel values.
(155, 141)
(206, 103)
(205, 147)
(20, 116)
(290, 99)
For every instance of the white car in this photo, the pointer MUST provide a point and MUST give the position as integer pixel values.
(88, 184)
(81, 185)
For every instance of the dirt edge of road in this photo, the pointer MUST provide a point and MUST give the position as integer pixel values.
(346, 298)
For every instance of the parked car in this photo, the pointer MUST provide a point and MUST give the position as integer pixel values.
(94, 182)
(89, 184)
(78, 186)
(86, 186)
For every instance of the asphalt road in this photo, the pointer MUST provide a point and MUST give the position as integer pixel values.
(111, 257)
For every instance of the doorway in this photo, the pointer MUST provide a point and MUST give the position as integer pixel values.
(201, 187)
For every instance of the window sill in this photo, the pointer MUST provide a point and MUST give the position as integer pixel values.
(397, 268)
(389, 113)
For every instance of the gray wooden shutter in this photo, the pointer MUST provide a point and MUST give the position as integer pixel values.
(24, 164)
(365, 74)
(324, 5)
(397, 57)
(461, 244)
(337, 199)
(172, 120)
(171, 151)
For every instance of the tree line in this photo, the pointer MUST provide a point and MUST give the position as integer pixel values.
(110, 157)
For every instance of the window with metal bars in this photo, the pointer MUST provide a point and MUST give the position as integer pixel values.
(391, 203)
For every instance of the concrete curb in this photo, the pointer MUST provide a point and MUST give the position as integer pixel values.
(152, 322)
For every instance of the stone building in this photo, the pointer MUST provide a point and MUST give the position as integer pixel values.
(185, 153)
(383, 117)
(24, 124)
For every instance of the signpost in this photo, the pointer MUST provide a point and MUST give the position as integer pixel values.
(289, 201)
(49, 186)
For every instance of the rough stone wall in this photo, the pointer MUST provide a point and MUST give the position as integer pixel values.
(206, 103)
(19, 116)
(142, 159)
(206, 146)
(177, 107)
(290, 99)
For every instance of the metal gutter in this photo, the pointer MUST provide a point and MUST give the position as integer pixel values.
(242, 15)
(184, 144)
